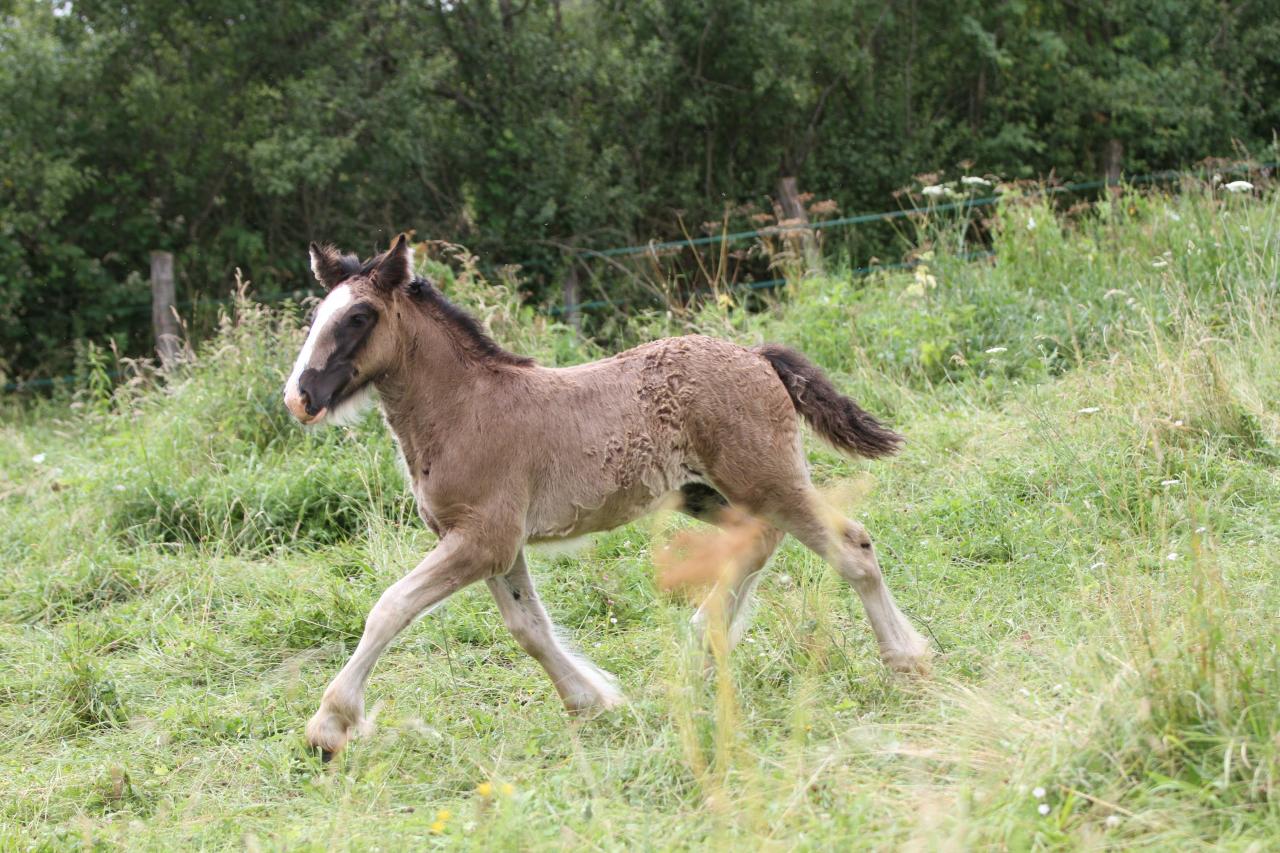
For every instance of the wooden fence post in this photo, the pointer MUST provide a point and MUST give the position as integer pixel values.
(792, 210)
(164, 320)
(571, 298)
(1113, 154)
(789, 199)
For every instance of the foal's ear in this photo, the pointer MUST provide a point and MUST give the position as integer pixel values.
(326, 265)
(396, 267)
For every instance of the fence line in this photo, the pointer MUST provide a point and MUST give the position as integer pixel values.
(885, 216)
(738, 236)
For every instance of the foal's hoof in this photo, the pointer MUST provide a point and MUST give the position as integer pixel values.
(915, 659)
(590, 703)
(327, 733)
(587, 707)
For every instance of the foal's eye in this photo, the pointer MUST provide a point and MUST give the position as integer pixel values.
(356, 320)
(866, 546)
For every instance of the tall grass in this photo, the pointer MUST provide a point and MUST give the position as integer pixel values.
(1084, 521)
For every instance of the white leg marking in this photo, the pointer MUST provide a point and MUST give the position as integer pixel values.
(444, 571)
(581, 684)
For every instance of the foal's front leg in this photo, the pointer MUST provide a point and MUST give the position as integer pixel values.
(456, 562)
(581, 684)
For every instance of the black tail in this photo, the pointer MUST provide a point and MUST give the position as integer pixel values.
(831, 414)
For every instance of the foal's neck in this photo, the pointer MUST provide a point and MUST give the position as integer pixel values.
(444, 368)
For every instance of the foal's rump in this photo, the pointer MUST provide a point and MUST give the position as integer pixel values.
(739, 408)
(757, 392)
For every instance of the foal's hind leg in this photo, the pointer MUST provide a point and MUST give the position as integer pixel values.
(772, 481)
(844, 544)
(736, 594)
(581, 684)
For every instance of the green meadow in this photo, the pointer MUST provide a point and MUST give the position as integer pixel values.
(1085, 521)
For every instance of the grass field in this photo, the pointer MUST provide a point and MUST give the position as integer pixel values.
(1085, 521)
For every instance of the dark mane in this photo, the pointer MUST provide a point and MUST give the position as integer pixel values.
(467, 328)
(352, 265)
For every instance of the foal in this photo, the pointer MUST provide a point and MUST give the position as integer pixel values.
(502, 452)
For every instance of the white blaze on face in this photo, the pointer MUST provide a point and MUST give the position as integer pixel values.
(340, 297)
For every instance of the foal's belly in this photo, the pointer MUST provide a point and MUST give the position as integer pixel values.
(638, 473)
(616, 509)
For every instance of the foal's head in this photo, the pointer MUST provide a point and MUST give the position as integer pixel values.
(353, 338)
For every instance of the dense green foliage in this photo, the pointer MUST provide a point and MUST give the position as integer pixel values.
(233, 131)
(1085, 518)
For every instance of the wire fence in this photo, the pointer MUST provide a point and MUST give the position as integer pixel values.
(653, 248)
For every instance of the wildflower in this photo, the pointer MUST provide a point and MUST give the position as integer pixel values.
(1038, 792)
(1159, 262)
(1044, 809)
(1088, 410)
(613, 620)
(444, 814)
(507, 789)
(119, 487)
(1112, 821)
(1175, 481)
(1031, 223)
(437, 827)
(1173, 555)
(935, 191)
(1238, 187)
(974, 181)
(38, 458)
(1176, 218)
(1201, 529)
(485, 789)
(997, 350)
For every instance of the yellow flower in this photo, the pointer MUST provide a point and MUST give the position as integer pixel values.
(484, 789)
(507, 789)
(437, 827)
(443, 814)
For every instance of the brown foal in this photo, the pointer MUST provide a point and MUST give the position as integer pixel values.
(502, 452)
